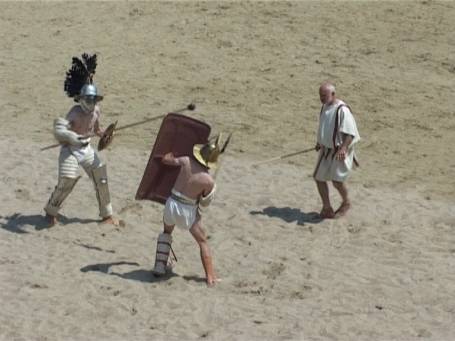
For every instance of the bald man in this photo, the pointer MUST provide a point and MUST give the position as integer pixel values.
(337, 135)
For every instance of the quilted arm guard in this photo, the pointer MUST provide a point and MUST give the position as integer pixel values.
(64, 135)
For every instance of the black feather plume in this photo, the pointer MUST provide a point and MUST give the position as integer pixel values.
(90, 63)
(80, 73)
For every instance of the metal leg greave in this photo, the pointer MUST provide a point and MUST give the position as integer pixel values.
(61, 191)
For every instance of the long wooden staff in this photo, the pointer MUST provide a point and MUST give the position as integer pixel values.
(112, 127)
(226, 143)
(59, 144)
(284, 156)
(188, 107)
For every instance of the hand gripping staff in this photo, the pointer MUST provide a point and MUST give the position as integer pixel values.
(108, 135)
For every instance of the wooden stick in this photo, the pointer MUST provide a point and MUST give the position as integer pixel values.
(59, 144)
(51, 146)
(190, 106)
(226, 143)
(141, 122)
(284, 156)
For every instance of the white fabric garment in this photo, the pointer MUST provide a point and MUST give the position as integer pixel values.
(330, 169)
(327, 125)
(71, 157)
(205, 202)
(327, 167)
(183, 215)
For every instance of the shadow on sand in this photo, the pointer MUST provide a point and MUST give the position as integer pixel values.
(135, 275)
(17, 221)
(289, 215)
(140, 275)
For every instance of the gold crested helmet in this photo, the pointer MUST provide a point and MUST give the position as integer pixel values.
(207, 154)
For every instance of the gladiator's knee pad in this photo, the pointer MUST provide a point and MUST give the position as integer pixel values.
(61, 191)
(99, 176)
(163, 248)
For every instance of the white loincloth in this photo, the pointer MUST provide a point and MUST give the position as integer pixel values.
(71, 157)
(180, 211)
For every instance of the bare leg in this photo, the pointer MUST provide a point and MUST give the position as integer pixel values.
(168, 228)
(346, 203)
(206, 257)
(327, 210)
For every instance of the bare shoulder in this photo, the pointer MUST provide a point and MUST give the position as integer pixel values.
(74, 112)
(97, 111)
(209, 182)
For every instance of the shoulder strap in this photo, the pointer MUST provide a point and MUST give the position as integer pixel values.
(337, 126)
(338, 122)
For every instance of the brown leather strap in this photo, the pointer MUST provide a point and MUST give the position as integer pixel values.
(337, 127)
(327, 153)
(321, 156)
(357, 164)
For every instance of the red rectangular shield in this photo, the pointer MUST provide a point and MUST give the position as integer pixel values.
(178, 134)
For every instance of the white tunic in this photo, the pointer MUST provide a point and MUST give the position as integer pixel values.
(328, 168)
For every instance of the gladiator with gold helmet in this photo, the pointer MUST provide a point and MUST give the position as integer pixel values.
(73, 132)
(192, 193)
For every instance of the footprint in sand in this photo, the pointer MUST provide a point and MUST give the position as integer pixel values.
(22, 194)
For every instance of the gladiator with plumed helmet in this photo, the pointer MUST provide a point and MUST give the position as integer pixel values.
(73, 133)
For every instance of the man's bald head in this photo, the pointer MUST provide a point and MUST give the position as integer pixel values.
(327, 93)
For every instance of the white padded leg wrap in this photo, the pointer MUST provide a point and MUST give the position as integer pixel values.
(90, 161)
(163, 248)
(99, 176)
(68, 166)
(61, 191)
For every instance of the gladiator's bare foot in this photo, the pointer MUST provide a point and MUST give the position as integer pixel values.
(327, 213)
(343, 209)
(211, 282)
(110, 220)
(51, 220)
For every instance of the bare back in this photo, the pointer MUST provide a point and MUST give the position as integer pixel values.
(193, 179)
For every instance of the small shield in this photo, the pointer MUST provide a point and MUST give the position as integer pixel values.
(107, 137)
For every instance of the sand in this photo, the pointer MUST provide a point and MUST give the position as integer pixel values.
(383, 272)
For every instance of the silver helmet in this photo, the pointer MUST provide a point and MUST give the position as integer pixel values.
(90, 90)
(88, 97)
